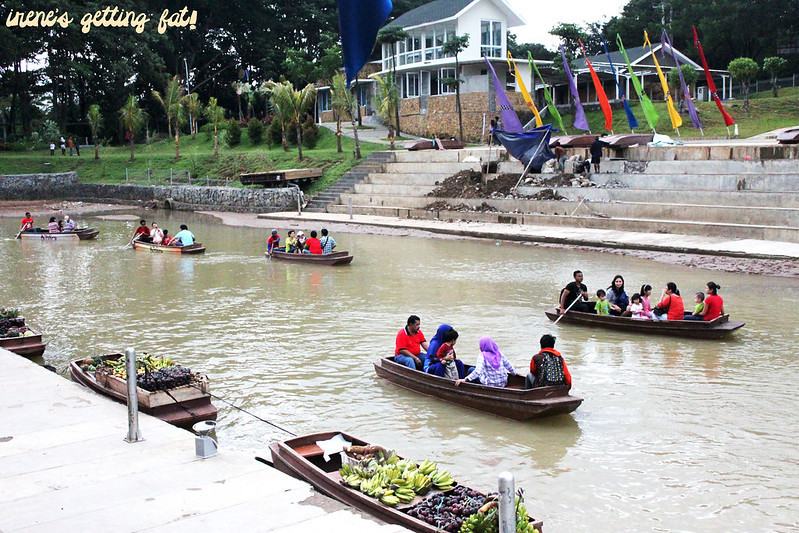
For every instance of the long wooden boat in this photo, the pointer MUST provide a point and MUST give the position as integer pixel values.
(789, 136)
(302, 458)
(30, 346)
(83, 234)
(623, 140)
(196, 248)
(426, 144)
(513, 401)
(573, 141)
(181, 406)
(332, 259)
(713, 329)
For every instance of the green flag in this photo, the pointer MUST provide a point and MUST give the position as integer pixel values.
(646, 104)
(553, 111)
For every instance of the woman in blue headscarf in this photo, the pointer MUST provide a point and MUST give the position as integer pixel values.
(434, 345)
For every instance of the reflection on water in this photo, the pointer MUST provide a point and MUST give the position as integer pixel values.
(674, 434)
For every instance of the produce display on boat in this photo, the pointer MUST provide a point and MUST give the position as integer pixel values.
(152, 373)
(383, 475)
(12, 325)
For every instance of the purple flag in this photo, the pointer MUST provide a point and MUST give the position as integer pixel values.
(686, 93)
(580, 121)
(510, 120)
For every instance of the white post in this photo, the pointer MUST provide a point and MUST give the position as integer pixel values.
(134, 435)
(126, 174)
(507, 503)
(349, 203)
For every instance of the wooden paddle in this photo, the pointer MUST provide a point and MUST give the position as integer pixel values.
(136, 238)
(567, 309)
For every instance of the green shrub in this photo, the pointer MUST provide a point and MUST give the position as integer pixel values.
(255, 131)
(208, 129)
(274, 133)
(310, 133)
(233, 133)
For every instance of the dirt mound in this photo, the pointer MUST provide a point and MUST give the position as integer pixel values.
(469, 184)
(445, 206)
(547, 194)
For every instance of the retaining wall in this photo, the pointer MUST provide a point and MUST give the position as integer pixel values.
(66, 186)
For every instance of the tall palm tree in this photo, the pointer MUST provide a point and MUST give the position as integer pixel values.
(172, 102)
(194, 108)
(387, 102)
(132, 117)
(342, 104)
(392, 35)
(95, 123)
(293, 104)
(216, 114)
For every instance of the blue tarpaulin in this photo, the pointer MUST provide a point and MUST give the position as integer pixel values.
(531, 145)
(359, 21)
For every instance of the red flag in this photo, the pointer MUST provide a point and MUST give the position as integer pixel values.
(728, 120)
(600, 92)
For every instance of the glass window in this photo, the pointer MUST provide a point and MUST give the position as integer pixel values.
(491, 38)
(434, 86)
(324, 100)
(447, 73)
(412, 84)
(425, 83)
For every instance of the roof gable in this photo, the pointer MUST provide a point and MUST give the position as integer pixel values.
(448, 9)
(640, 56)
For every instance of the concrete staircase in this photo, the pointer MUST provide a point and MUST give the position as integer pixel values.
(374, 162)
(725, 198)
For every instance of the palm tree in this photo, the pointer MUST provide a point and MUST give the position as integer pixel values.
(292, 105)
(387, 102)
(132, 117)
(455, 46)
(95, 123)
(242, 89)
(342, 103)
(392, 35)
(216, 114)
(194, 108)
(172, 102)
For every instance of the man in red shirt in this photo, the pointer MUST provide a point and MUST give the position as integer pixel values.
(547, 367)
(313, 244)
(27, 222)
(142, 233)
(410, 341)
(273, 241)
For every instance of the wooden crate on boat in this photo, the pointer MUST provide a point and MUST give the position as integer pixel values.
(149, 399)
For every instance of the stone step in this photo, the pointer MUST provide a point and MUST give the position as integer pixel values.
(423, 167)
(393, 189)
(676, 226)
(407, 179)
(707, 182)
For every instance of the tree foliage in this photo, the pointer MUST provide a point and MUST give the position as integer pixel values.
(774, 66)
(743, 69)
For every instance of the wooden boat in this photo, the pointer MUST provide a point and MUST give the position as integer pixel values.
(301, 458)
(30, 346)
(196, 248)
(513, 401)
(436, 144)
(623, 140)
(180, 406)
(573, 141)
(789, 136)
(83, 234)
(713, 329)
(332, 259)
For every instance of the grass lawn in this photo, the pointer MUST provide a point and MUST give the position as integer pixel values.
(196, 157)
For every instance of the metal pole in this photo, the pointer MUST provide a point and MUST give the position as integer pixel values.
(134, 435)
(349, 203)
(188, 92)
(126, 174)
(507, 503)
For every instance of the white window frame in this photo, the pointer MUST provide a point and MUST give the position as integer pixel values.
(325, 101)
(411, 79)
(491, 48)
(445, 73)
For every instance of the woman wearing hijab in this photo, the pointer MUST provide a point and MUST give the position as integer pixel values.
(492, 367)
(434, 345)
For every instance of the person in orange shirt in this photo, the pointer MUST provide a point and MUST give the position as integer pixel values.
(547, 367)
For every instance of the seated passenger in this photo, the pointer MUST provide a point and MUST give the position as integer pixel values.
(313, 245)
(700, 304)
(301, 240)
(448, 365)
(409, 344)
(167, 240)
(547, 367)
(156, 234)
(184, 236)
(52, 226)
(602, 306)
(492, 367)
(637, 308)
(328, 242)
(618, 297)
(69, 224)
(714, 305)
(434, 345)
(142, 233)
(273, 242)
(670, 306)
(291, 242)
(60, 226)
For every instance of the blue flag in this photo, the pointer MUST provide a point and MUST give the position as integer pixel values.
(358, 22)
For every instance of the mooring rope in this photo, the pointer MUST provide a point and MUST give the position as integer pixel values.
(246, 411)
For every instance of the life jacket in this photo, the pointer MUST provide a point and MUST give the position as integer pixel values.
(551, 368)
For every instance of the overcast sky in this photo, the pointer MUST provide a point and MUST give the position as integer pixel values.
(543, 16)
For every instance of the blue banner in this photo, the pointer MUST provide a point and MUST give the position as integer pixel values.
(358, 22)
(530, 147)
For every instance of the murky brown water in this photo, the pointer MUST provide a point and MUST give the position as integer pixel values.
(674, 435)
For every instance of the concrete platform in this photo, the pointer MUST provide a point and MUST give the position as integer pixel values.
(64, 466)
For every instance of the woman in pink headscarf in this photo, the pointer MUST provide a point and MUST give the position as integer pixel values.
(492, 367)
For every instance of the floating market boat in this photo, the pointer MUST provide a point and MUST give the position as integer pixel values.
(332, 259)
(181, 406)
(28, 344)
(196, 248)
(303, 458)
(82, 234)
(712, 329)
(513, 401)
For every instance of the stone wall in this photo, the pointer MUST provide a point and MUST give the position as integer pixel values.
(441, 116)
(66, 186)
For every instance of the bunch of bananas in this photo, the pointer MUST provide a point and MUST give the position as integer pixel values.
(144, 363)
(393, 480)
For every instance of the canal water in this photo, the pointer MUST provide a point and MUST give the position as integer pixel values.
(674, 435)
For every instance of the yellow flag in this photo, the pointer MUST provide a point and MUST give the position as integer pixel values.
(676, 119)
(525, 94)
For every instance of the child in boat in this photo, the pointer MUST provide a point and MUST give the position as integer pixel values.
(602, 306)
(52, 226)
(291, 242)
(700, 304)
(167, 239)
(448, 365)
(646, 292)
(637, 308)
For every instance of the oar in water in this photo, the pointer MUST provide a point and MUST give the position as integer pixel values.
(567, 309)
(136, 238)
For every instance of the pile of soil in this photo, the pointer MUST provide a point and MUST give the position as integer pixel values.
(468, 184)
(547, 194)
(445, 206)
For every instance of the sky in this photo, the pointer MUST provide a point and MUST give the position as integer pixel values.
(543, 16)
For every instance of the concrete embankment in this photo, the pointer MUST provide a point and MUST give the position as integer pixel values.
(64, 466)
